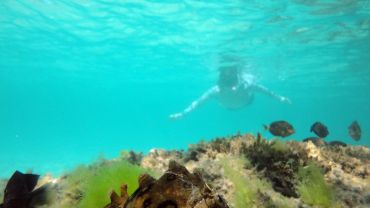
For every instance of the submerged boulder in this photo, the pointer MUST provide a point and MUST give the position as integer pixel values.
(277, 163)
(177, 187)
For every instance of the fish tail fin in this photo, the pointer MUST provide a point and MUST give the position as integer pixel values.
(31, 180)
(266, 127)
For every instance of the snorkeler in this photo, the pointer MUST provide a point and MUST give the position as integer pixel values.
(235, 89)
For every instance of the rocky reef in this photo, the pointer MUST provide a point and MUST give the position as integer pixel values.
(236, 171)
(275, 173)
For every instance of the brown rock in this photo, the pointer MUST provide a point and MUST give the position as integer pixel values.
(177, 188)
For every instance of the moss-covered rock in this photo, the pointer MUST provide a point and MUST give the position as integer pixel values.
(277, 162)
(88, 186)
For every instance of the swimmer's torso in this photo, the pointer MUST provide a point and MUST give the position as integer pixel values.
(234, 99)
(238, 96)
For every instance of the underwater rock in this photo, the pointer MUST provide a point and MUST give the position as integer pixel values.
(320, 129)
(210, 171)
(176, 188)
(132, 157)
(337, 143)
(359, 152)
(280, 128)
(194, 151)
(316, 141)
(346, 169)
(20, 192)
(257, 161)
(158, 159)
(354, 131)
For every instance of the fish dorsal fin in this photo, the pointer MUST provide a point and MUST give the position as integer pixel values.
(20, 183)
(15, 182)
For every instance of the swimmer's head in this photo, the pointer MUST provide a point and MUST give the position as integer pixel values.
(228, 77)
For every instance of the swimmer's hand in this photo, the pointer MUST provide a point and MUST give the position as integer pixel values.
(285, 100)
(176, 116)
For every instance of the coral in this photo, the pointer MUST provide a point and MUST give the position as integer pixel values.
(312, 187)
(176, 188)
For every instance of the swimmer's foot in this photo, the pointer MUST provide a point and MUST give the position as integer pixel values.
(285, 100)
(176, 116)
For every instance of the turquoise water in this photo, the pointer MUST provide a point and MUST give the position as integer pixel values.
(81, 79)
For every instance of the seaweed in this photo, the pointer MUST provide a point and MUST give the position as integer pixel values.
(279, 146)
(249, 189)
(313, 188)
(245, 193)
(89, 186)
(277, 162)
(108, 178)
(194, 151)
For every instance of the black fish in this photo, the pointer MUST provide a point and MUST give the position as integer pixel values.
(19, 192)
(320, 129)
(354, 131)
(280, 128)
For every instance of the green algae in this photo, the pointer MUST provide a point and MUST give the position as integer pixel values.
(244, 193)
(246, 190)
(279, 146)
(89, 186)
(313, 188)
(249, 189)
(97, 187)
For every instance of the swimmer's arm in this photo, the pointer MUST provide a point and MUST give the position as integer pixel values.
(208, 94)
(266, 91)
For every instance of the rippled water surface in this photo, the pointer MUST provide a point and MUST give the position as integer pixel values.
(79, 79)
